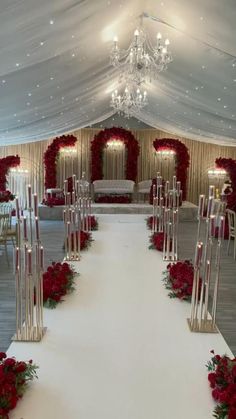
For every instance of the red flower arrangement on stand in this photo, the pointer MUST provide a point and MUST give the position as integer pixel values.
(157, 241)
(182, 159)
(178, 278)
(51, 156)
(14, 379)
(98, 144)
(222, 379)
(58, 280)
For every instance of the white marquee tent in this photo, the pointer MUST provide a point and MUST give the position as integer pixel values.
(56, 76)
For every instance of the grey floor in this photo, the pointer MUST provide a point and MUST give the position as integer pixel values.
(52, 239)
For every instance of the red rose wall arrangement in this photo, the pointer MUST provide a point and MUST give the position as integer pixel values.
(58, 280)
(178, 279)
(14, 379)
(182, 159)
(5, 164)
(222, 379)
(97, 147)
(51, 156)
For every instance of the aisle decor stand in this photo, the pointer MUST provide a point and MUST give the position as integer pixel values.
(165, 215)
(28, 267)
(200, 319)
(76, 216)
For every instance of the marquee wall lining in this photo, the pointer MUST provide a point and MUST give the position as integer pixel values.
(202, 157)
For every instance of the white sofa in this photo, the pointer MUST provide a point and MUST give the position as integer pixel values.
(143, 187)
(113, 187)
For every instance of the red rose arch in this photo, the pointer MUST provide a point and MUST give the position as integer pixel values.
(97, 147)
(5, 164)
(51, 156)
(182, 159)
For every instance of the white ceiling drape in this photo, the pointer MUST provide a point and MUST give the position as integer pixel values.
(55, 74)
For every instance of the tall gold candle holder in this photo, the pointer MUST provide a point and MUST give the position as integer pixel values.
(28, 267)
(170, 220)
(200, 319)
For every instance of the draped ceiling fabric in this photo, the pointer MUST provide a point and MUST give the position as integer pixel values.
(55, 75)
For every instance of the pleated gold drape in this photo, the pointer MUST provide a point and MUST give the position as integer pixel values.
(202, 158)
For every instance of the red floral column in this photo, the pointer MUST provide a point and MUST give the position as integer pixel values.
(182, 159)
(97, 148)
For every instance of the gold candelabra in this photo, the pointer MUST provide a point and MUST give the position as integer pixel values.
(28, 267)
(165, 215)
(76, 216)
(200, 320)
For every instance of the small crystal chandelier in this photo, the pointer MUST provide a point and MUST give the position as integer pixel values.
(216, 173)
(141, 61)
(129, 102)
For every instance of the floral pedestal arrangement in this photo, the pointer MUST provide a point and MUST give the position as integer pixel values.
(222, 378)
(178, 279)
(58, 281)
(14, 379)
(157, 241)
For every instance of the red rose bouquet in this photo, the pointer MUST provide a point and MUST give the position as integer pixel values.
(157, 241)
(178, 278)
(149, 222)
(93, 222)
(58, 280)
(222, 379)
(14, 379)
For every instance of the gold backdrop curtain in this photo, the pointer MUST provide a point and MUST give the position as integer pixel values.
(202, 158)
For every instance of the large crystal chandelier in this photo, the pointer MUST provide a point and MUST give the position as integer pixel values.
(142, 61)
(129, 102)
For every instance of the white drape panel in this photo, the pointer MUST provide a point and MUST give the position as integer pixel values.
(56, 76)
(114, 163)
(202, 156)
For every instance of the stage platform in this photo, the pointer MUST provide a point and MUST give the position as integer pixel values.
(188, 211)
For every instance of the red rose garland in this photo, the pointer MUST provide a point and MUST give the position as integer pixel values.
(113, 199)
(182, 159)
(222, 379)
(5, 164)
(14, 379)
(97, 147)
(51, 156)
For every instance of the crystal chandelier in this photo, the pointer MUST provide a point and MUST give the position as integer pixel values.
(142, 61)
(129, 102)
(216, 173)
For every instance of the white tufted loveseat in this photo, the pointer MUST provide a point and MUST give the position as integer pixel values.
(113, 187)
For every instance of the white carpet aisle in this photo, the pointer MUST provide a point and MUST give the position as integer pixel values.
(119, 348)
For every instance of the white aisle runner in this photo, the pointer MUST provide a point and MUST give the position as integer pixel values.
(119, 348)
